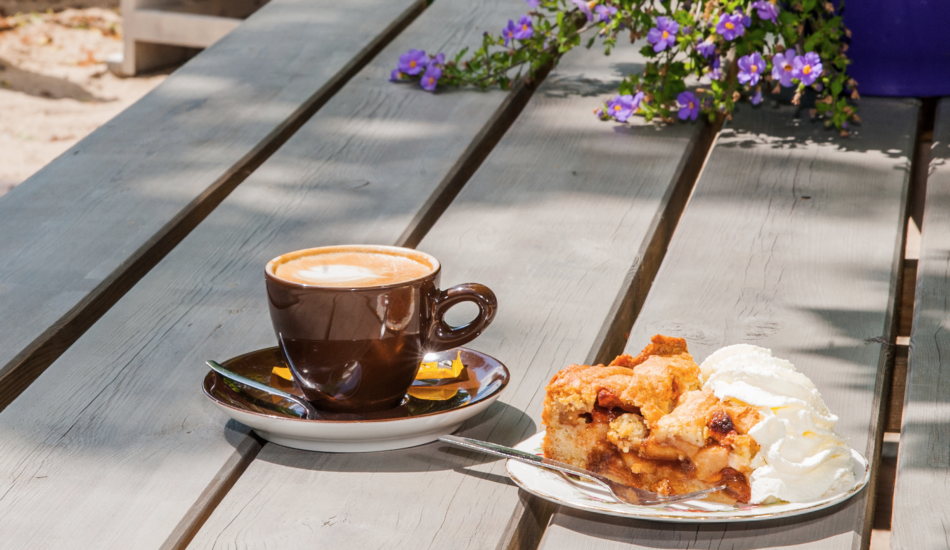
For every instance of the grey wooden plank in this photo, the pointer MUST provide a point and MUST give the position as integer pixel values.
(79, 233)
(792, 240)
(115, 446)
(562, 221)
(921, 515)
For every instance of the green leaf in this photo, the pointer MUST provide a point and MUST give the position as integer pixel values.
(786, 17)
(836, 87)
(810, 42)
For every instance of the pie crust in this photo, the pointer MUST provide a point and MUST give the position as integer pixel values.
(646, 422)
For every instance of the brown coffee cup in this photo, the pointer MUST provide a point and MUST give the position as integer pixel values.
(354, 335)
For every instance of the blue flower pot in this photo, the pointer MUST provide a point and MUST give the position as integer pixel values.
(900, 47)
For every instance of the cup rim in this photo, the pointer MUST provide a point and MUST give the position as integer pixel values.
(403, 251)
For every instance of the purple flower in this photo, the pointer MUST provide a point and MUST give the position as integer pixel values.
(730, 26)
(757, 97)
(431, 78)
(663, 34)
(533, 3)
(750, 69)
(518, 31)
(767, 11)
(706, 48)
(782, 69)
(585, 9)
(605, 13)
(439, 60)
(689, 106)
(412, 62)
(637, 99)
(396, 76)
(716, 72)
(746, 20)
(509, 32)
(807, 68)
(524, 29)
(622, 106)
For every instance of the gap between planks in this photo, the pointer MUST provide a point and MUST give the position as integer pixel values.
(43, 351)
(886, 475)
(473, 157)
(209, 499)
(616, 330)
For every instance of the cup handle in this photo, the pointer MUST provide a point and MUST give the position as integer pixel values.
(442, 336)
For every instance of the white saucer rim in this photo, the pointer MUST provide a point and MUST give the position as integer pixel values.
(358, 438)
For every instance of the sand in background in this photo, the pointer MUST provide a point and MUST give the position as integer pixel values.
(12, 7)
(54, 85)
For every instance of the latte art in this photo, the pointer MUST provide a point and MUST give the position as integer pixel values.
(336, 274)
(348, 268)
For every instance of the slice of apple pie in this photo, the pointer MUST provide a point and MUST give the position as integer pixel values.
(645, 421)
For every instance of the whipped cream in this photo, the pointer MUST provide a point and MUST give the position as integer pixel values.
(801, 457)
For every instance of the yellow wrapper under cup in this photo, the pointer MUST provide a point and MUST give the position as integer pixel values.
(432, 371)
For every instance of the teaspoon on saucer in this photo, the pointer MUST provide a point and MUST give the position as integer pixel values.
(310, 413)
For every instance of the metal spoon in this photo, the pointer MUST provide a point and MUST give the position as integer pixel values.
(310, 413)
(623, 493)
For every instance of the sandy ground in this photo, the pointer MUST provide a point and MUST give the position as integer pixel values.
(54, 85)
(12, 7)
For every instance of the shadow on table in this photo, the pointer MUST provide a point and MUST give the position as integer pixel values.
(807, 531)
(500, 423)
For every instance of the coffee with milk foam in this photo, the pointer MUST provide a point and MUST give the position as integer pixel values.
(349, 268)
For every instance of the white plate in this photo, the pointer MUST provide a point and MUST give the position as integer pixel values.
(584, 495)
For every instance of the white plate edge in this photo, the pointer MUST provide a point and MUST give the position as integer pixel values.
(692, 517)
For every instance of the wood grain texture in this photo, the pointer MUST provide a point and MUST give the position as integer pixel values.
(79, 233)
(791, 241)
(116, 440)
(559, 222)
(921, 516)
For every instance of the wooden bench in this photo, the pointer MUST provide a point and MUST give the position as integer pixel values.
(793, 241)
(921, 517)
(158, 33)
(80, 232)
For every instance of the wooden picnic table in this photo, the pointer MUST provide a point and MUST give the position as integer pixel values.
(139, 253)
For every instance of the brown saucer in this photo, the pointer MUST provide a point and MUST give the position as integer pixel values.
(431, 409)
